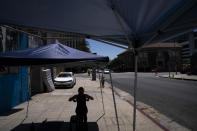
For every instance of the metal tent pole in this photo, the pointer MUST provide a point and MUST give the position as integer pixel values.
(114, 101)
(102, 86)
(101, 98)
(134, 93)
(28, 94)
(130, 47)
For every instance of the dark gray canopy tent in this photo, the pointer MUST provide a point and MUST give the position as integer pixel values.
(111, 20)
(129, 22)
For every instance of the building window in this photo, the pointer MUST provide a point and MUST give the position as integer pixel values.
(140, 55)
(144, 63)
(11, 43)
(195, 34)
(34, 42)
(183, 38)
(9, 70)
(3, 70)
(186, 46)
(159, 54)
(145, 55)
(1, 44)
(12, 40)
(195, 43)
(160, 63)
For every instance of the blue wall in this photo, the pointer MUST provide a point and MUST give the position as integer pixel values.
(14, 87)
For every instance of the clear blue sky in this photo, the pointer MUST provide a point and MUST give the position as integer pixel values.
(104, 49)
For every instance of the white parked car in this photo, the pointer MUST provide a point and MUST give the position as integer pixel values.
(106, 71)
(65, 79)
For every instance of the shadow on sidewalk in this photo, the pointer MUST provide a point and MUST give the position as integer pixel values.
(64, 87)
(10, 112)
(53, 126)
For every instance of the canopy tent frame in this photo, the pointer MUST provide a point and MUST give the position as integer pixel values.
(101, 90)
(114, 100)
(173, 18)
(132, 47)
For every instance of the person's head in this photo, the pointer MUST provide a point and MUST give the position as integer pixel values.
(81, 90)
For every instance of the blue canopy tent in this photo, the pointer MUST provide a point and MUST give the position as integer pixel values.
(51, 54)
(48, 55)
(129, 22)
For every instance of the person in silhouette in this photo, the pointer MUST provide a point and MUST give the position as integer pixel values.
(81, 109)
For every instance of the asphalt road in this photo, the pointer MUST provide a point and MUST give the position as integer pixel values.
(177, 99)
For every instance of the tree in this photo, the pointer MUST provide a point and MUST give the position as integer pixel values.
(116, 64)
(84, 46)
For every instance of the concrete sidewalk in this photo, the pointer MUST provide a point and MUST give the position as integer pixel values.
(179, 76)
(54, 110)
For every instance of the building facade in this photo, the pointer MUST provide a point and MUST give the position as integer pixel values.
(188, 42)
(14, 81)
(154, 57)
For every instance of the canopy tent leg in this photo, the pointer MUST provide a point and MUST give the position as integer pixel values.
(28, 94)
(101, 86)
(135, 44)
(134, 93)
(115, 108)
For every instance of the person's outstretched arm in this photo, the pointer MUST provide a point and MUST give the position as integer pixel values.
(73, 98)
(89, 97)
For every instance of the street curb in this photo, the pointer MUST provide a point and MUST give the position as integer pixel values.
(178, 78)
(149, 117)
(141, 111)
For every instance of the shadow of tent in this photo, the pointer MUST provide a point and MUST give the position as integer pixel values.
(10, 112)
(52, 126)
(63, 87)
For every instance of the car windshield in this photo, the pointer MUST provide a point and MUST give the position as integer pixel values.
(64, 75)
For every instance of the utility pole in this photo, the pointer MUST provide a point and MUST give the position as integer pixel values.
(94, 72)
(169, 63)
